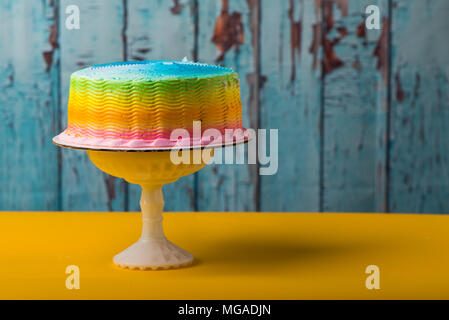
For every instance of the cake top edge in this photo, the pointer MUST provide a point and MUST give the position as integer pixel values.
(151, 71)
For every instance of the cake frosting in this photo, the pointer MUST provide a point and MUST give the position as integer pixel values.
(137, 105)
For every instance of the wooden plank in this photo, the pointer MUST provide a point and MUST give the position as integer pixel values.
(162, 30)
(291, 103)
(229, 187)
(419, 156)
(99, 40)
(28, 105)
(355, 108)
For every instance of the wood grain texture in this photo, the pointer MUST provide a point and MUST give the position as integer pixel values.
(419, 156)
(355, 108)
(291, 103)
(162, 30)
(355, 134)
(28, 106)
(99, 40)
(226, 36)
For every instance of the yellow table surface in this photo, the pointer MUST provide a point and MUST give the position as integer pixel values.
(238, 256)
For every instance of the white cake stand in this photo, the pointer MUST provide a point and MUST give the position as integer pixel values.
(150, 169)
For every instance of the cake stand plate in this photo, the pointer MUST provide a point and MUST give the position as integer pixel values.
(60, 141)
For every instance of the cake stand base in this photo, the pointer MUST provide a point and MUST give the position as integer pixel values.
(153, 254)
(152, 251)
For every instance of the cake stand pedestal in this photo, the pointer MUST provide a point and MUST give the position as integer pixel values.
(152, 250)
(150, 170)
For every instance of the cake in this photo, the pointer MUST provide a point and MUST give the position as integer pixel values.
(137, 105)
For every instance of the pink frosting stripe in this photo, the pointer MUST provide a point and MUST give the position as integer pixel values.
(111, 133)
(230, 137)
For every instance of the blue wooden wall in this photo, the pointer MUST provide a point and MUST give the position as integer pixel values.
(363, 115)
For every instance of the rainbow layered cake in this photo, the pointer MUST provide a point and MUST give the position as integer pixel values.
(153, 105)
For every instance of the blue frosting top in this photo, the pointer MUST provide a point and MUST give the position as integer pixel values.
(151, 70)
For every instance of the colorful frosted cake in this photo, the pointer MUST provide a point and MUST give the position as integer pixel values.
(137, 105)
